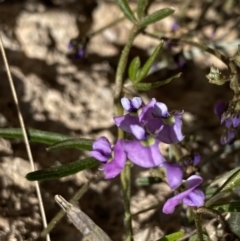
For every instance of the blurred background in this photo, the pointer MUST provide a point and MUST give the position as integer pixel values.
(64, 76)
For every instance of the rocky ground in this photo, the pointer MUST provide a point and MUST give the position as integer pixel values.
(61, 93)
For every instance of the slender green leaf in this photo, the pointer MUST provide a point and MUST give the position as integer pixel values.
(157, 16)
(231, 182)
(81, 144)
(234, 221)
(146, 181)
(62, 171)
(227, 207)
(142, 4)
(218, 196)
(33, 135)
(147, 66)
(154, 85)
(172, 236)
(128, 13)
(134, 68)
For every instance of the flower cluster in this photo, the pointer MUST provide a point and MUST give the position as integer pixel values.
(150, 124)
(229, 115)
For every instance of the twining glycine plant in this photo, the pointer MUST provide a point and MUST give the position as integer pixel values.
(150, 124)
(142, 127)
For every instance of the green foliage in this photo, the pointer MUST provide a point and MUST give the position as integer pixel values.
(34, 135)
(81, 144)
(157, 16)
(62, 171)
(128, 13)
(172, 237)
(227, 207)
(154, 85)
(142, 4)
(149, 63)
(134, 69)
(196, 238)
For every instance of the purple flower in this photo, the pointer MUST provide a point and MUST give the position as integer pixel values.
(228, 136)
(193, 196)
(131, 105)
(174, 174)
(154, 120)
(113, 158)
(229, 115)
(144, 153)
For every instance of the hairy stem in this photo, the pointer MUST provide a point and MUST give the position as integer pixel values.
(126, 173)
(126, 187)
(198, 223)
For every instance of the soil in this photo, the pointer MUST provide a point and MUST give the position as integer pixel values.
(59, 92)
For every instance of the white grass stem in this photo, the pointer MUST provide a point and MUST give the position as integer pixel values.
(29, 153)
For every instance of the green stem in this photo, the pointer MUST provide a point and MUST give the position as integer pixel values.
(121, 70)
(198, 223)
(126, 188)
(126, 173)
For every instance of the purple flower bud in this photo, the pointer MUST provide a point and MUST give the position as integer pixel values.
(196, 159)
(131, 105)
(175, 26)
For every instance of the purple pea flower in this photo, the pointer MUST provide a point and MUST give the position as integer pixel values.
(229, 115)
(113, 158)
(193, 196)
(154, 120)
(142, 153)
(174, 174)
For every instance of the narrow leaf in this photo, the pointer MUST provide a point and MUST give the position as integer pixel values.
(231, 182)
(157, 16)
(128, 13)
(172, 237)
(33, 135)
(147, 66)
(149, 86)
(227, 207)
(134, 68)
(62, 171)
(81, 144)
(142, 4)
(218, 196)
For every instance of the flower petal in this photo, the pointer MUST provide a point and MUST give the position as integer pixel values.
(101, 149)
(131, 105)
(144, 153)
(167, 132)
(219, 108)
(125, 122)
(192, 182)
(174, 174)
(161, 110)
(114, 167)
(195, 198)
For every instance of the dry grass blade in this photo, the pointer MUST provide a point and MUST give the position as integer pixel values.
(24, 133)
